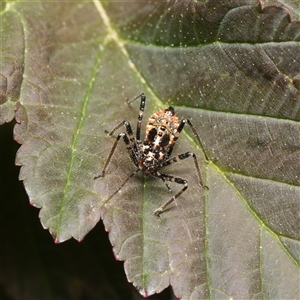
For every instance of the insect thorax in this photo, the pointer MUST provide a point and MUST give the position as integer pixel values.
(160, 138)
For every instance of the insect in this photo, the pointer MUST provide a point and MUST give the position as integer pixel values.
(154, 153)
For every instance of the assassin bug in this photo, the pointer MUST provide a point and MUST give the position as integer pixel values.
(162, 132)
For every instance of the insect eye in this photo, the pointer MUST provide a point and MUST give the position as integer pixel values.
(165, 140)
(152, 133)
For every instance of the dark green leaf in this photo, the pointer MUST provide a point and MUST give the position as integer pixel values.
(230, 67)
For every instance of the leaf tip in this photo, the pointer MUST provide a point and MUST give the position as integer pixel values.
(144, 294)
(288, 13)
(56, 241)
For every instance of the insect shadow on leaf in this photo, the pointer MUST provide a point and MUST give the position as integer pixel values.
(154, 153)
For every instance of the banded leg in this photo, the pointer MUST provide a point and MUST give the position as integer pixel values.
(184, 156)
(124, 182)
(141, 114)
(179, 129)
(128, 131)
(171, 178)
(131, 152)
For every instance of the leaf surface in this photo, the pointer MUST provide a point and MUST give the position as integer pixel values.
(232, 69)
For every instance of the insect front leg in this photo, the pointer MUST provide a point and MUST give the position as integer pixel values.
(130, 150)
(123, 134)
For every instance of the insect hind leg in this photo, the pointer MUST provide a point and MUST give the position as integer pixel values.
(164, 178)
(121, 186)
